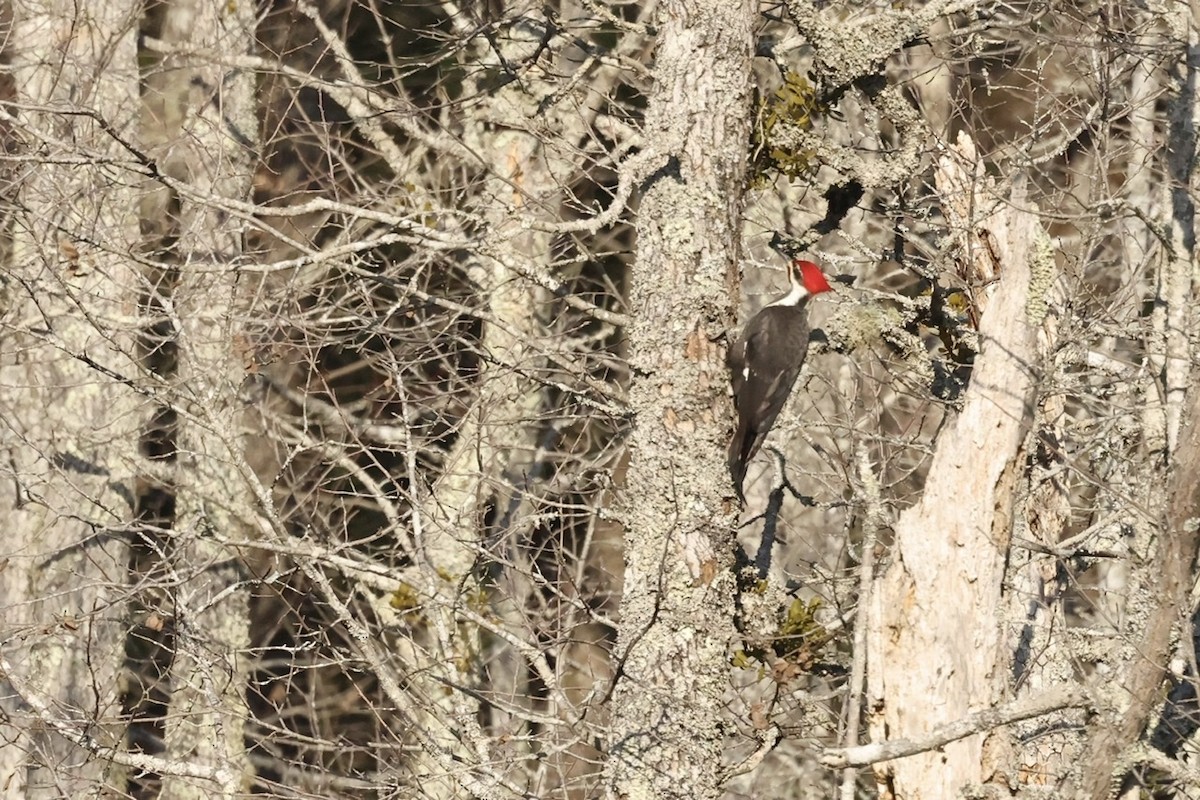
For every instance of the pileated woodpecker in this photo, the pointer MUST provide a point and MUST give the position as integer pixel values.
(764, 363)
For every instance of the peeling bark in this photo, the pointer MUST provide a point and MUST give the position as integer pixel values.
(935, 642)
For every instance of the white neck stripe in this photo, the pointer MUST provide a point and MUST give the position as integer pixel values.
(793, 297)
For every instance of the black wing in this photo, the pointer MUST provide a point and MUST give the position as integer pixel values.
(764, 365)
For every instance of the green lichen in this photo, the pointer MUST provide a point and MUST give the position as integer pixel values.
(794, 647)
(478, 599)
(742, 660)
(791, 108)
(801, 637)
(405, 599)
(857, 326)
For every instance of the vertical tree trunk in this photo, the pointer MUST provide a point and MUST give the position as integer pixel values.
(201, 121)
(68, 421)
(677, 607)
(935, 639)
(1171, 571)
(492, 456)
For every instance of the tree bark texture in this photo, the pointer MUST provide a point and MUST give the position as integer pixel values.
(1177, 543)
(68, 420)
(1174, 560)
(199, 115)
(935, 634)
(677, 605)
(495, 450)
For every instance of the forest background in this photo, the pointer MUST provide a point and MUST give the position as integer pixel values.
(363, 402)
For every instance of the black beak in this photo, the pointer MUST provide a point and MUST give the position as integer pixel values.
(786, 246)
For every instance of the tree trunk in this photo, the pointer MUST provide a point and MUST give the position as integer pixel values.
(677, 606)
(200, 120)
(68, 420)
(1170, 575)
(935, 635)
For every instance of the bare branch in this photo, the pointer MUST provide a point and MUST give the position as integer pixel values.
(978, 722)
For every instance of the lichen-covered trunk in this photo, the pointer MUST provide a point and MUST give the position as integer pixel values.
(677, 606)
(68, 420)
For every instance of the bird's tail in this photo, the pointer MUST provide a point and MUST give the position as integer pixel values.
(741, 450)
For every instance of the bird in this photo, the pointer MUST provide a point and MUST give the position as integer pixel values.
(764, 362)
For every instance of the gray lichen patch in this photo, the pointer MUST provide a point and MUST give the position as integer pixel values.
(863, 326)
(1042, 272)
(854, 326)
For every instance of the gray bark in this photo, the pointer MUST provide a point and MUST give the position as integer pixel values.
(676, 611)
(1170, 578)
(68, 421)
(199, 115)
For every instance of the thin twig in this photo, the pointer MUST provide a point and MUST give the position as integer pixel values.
(872, 518)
